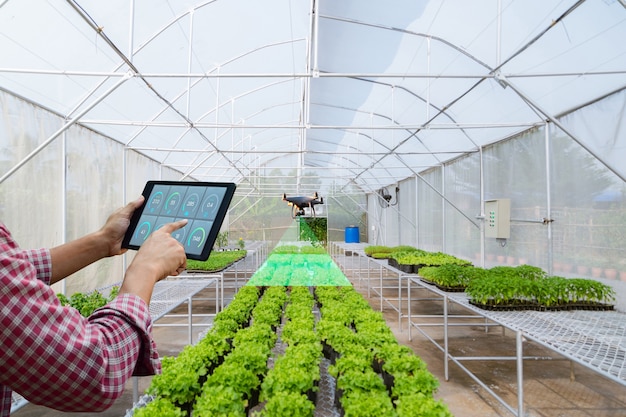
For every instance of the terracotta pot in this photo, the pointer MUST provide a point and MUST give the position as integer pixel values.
(622, 276)
(567, 268)
(510, 260)
(610, 273)
(596, 271)
(582, 270)
(500, 259)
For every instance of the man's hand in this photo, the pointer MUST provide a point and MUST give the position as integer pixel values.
(116, 226)
(107, 241)
(158, 257)
(162, 252)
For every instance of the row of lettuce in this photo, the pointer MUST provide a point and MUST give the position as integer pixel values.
(234, 371)
(500, 287)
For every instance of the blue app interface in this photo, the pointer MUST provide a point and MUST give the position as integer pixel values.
(168, 203)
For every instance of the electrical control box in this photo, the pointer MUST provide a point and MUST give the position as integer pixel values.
(498, 218)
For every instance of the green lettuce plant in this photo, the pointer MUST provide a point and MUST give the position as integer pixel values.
(217, 261)
(526, 285)
(421, 405)
(179, 381)
(420, 381)
(285, 403)
(367, 404)
(87, 303)
(160, 407)
(220, 401)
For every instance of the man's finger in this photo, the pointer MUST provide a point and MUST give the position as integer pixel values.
(130, 208)
(138, 202)
(170, 227)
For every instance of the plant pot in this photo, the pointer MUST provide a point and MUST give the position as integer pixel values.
(329, 352)
(596, 271)
(622, 276)
(500, 259)
(253, 400)
(312, 395)
(510, 260)
(582, 270)
(388, 380)
(337, 401)
(610, 273)
(377, 365)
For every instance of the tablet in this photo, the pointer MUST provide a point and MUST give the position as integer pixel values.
(204, 204)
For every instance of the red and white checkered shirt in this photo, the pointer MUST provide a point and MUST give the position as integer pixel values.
(52, 355)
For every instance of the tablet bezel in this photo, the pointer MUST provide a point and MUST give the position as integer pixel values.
(229, 191)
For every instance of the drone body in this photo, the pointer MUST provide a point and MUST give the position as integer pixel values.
(299, 203)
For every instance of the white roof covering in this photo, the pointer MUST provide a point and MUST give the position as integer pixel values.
(343, 92)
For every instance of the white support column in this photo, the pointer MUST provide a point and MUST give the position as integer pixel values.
(520, 373)
(549, 197)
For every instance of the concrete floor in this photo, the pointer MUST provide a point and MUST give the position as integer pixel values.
(552, 388)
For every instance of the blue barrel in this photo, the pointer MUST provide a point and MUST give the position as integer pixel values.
(352, 234)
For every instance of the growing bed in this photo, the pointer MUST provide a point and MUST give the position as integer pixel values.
(593, 339)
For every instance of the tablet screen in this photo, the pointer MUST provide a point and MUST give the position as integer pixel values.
(204, 204)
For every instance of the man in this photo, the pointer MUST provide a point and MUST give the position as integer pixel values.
(55, 357)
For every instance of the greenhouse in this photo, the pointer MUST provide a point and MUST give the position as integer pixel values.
(375, 147)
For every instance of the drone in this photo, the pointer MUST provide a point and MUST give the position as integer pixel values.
(299, 203)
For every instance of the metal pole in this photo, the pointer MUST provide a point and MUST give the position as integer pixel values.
(189, 320)
(369, 291)
(400, 302)
(135, 389)
(445, 338)
(549, 198)
(381, 288)
(221, 291)
(408, 286)
(520, 374)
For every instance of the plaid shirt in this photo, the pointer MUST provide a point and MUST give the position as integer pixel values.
(52, 355)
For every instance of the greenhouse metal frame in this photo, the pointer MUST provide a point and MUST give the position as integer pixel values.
(406, 116)
(416, 101)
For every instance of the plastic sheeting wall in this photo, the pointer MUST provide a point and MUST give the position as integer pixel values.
(69, 188)
(547, 176)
